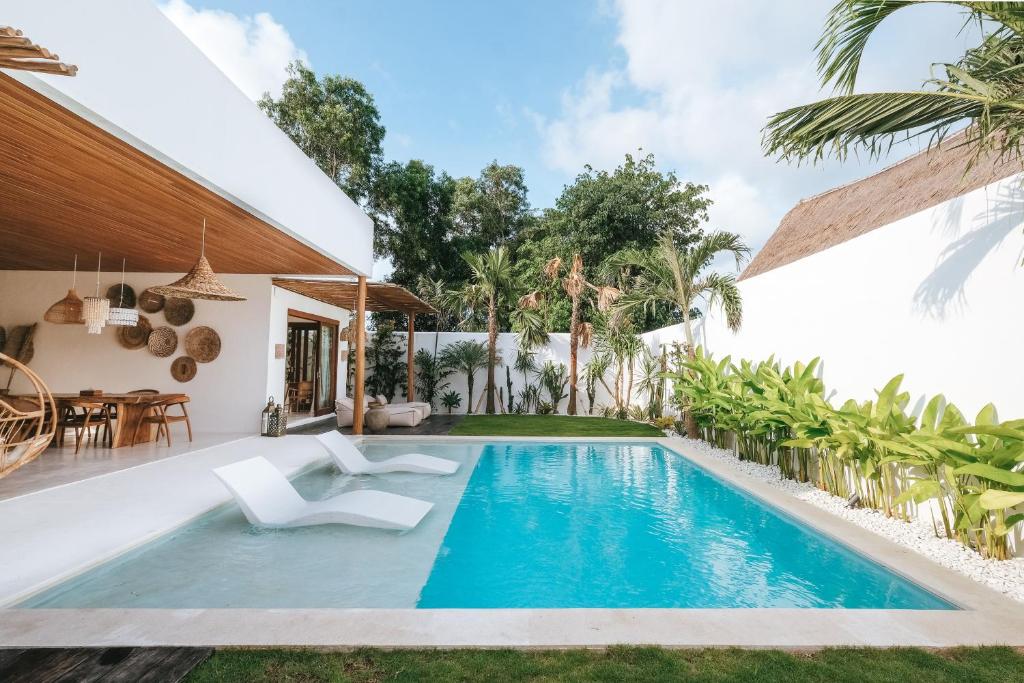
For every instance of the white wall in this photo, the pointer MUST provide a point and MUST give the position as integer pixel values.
(557, 350)
(280, 301)
(936, 295)
(227, 394)
(142, 80)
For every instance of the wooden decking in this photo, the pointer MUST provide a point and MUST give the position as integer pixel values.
(129, 664)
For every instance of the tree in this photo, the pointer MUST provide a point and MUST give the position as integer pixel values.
(575, 286)
(415, 228)
(985, 89)
(490, 281)
(602, 213)
(681, 278)
(492, 208)
(335, 122)
(466, 357)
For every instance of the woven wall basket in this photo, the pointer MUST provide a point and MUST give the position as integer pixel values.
(137, 336)
(203, 344)
(183, 368)
(114, 296)
(151, 302)
(163, 341)
(179, 311)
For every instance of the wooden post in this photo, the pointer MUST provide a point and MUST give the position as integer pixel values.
(410, 387)
(360, 379)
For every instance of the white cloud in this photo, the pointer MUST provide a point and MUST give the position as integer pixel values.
(253, 51)
(699, 82)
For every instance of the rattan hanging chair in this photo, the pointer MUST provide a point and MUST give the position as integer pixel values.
(28, 422)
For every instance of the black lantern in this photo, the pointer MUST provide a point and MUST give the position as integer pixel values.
(265, 421)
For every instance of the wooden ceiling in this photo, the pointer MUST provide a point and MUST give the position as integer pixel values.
(380, 296)
(67, 187)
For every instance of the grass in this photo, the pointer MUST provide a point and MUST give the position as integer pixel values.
(550, 425)
(977, 665)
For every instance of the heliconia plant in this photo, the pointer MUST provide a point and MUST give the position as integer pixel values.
(873, 453)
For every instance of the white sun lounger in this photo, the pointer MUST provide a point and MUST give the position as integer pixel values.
(350, 461)
(268, 499)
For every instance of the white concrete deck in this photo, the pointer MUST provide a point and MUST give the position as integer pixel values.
(54, 531)
(57, 466)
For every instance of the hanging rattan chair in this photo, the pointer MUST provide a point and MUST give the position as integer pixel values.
(28, 422)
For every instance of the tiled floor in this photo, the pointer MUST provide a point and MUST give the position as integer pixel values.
(57, 466)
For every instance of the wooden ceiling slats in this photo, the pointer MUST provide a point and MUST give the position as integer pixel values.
(380, 296)
(67, 186)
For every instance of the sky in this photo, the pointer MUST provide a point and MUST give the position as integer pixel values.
(552, 86)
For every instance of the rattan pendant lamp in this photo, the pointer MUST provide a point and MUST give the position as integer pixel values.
(200, 282)
(67, 311)
(96, 309)
(119, 315)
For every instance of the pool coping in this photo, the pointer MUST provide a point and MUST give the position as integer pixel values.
(986, 617)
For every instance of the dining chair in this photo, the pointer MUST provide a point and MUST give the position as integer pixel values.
(163, 420)
(93, 415)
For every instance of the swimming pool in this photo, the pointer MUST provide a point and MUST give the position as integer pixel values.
(522, 525)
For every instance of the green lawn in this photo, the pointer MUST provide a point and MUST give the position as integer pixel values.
(977, 665)
(549, 425)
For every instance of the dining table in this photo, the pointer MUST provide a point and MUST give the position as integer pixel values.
(128, 408)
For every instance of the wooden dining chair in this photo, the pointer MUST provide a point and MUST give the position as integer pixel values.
(163, 420)
(93, 416)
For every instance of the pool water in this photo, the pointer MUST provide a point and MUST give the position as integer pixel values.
(522, 524)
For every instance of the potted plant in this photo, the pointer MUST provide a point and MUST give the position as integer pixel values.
(451, 399)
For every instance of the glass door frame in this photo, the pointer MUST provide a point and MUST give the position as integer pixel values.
(329, 329)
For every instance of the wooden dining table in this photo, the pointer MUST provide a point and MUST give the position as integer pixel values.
(129, 410)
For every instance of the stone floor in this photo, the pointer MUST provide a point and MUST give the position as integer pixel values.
(435, 425)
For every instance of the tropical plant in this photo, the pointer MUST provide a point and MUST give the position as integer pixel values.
(529, 397)
(617, 346)
(651, 381)
(451, 400)
(593, 373)
(466, 357)
(681, 277)
(872, 453)
(553, 377)
(384, 358)
(430, 375)
(575, 285)
(985, 88)
(546, 408)
(491, 280)
(508, 388)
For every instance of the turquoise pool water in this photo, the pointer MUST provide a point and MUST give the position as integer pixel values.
(523, 524)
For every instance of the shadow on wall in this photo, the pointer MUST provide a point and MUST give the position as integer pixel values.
(942, 292)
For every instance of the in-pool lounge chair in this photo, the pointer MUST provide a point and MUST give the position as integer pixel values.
(268, 499)
(350, 460)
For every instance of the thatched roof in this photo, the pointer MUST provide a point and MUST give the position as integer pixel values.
(914, 184)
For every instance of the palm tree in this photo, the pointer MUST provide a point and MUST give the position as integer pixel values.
(575, 286)
(490, 280)
(466, 357)
(681, 278)
(985, 88)
(435, 292)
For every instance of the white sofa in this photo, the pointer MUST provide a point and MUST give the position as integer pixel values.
(399, 414)
(422, 408)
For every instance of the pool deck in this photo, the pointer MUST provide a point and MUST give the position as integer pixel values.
(52, 534)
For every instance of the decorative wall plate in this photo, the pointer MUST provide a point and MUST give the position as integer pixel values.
(183, 368)
(162, 341)
(179, 311)
(203, 344)
(135, 337)
(150, 302)
(114, 296)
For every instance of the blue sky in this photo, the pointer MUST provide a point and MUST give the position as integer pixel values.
(553, 85)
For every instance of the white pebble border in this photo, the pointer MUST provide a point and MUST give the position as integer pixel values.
(1005, 576)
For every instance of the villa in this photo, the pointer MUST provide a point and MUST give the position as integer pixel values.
(181, 284)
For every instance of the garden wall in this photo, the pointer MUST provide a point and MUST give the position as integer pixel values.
(936, 295)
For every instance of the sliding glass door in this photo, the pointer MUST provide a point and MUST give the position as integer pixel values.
(327, 368)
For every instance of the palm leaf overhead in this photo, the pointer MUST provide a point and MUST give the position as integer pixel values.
(984, 90)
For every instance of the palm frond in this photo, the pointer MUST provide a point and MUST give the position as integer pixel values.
(836, 125)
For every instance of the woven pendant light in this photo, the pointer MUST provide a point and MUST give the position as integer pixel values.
(200, 282)
(95, 309)
(120, 315)
(67, 311)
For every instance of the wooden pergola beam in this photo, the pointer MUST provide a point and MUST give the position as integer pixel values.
(40, 66)
(20, 53)
(410, 385)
